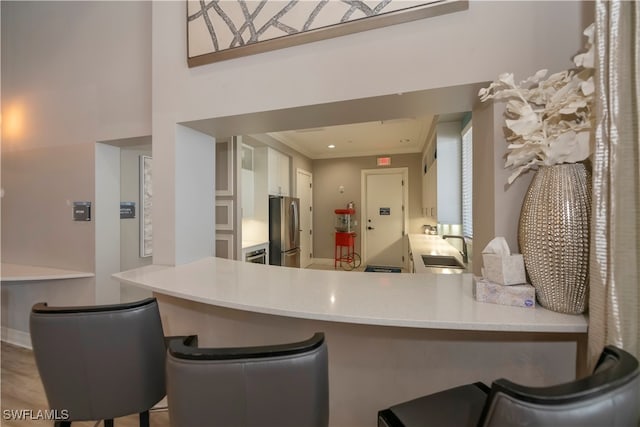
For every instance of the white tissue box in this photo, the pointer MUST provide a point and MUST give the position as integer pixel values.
(504, 269)
(495, 293)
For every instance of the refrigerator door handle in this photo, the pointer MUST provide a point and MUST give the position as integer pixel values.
(291, 258)
(294, 225)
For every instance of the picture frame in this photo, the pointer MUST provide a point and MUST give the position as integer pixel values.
(146, 193)
(218, 31)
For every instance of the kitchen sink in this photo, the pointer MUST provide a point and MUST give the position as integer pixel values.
(442, 261)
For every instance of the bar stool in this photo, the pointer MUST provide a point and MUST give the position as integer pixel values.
(608, 397)
(100, 362)
(277, 385)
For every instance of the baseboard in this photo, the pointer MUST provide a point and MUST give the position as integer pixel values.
(15, 337)
(323, 261)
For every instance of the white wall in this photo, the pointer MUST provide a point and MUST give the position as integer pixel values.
(106, 212)
(460, 48)
(195, 194)
(79, 70)
(73, 73)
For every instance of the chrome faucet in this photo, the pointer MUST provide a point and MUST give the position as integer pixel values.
(432, 229)
(465, 256)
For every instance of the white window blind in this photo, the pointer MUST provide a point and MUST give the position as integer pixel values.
(467, 181)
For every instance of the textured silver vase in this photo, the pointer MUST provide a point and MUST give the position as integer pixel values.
(554, 236)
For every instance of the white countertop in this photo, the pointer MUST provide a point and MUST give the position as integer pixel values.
(254, 244)
(23, 273)
(437, 301)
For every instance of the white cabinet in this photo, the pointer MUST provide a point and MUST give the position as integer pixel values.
(430, 191)
(249, 247)
(278, 173)
(449, 173)
(248, 194)
(247, 178)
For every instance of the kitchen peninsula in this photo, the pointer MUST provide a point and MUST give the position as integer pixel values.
(391, 337)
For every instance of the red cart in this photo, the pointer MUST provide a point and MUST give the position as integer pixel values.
(344, 251)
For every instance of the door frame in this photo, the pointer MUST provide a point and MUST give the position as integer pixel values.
(364, 173)
(310, 213)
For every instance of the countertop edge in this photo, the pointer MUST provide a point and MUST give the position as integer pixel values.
(578, 325)
(31, 273)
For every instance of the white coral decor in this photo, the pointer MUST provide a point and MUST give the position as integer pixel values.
(550, 120)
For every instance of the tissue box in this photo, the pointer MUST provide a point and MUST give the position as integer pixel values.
(504, 269)
(495, 293)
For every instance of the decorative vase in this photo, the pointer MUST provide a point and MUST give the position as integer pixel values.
(554, 236)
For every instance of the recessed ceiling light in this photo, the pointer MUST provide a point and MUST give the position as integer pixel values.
(331, 146)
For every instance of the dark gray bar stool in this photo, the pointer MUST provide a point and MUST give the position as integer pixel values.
(278, 385)
(609, 397)
(100, 362)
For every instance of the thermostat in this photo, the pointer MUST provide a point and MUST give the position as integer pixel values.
(82, 211)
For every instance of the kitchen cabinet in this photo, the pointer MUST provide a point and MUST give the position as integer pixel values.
(278, 173)
(251, 247)
(430, 191)
(449, 174)
(247, 182)
(224, 168)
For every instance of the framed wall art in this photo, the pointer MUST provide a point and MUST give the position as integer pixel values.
(146, 193)
(219, 30)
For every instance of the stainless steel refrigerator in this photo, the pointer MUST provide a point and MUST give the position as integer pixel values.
(284, 231)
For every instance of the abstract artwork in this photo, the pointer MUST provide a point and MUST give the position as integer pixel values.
(218, 30)
(145, 207)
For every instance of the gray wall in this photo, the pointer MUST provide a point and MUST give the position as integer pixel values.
(330, 174)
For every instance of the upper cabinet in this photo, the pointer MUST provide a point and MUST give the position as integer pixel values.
(449, 173)
(430, 181)
(224, 168)
(441, 175)
(430, 191)
(248, 182)
(278, 173)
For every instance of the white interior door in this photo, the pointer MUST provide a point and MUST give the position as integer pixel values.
(304, 191)
(384, 216)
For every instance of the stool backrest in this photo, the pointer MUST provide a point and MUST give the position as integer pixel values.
(609, 397)
(100, 362)
(280, 385)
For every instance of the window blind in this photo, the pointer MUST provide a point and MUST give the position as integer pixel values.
(467, 181)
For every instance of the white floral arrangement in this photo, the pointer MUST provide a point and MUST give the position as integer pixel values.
(550, 120)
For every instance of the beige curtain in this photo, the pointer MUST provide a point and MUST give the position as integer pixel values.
(614, 302)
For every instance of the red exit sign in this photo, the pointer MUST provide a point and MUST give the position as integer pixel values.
(384, 161)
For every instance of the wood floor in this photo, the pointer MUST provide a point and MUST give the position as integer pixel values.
(21, 389)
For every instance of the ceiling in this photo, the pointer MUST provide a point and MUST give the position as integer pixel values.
(386, 124)
(395, 136)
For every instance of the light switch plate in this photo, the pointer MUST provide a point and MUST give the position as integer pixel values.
(82, 211)
(127, 210)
